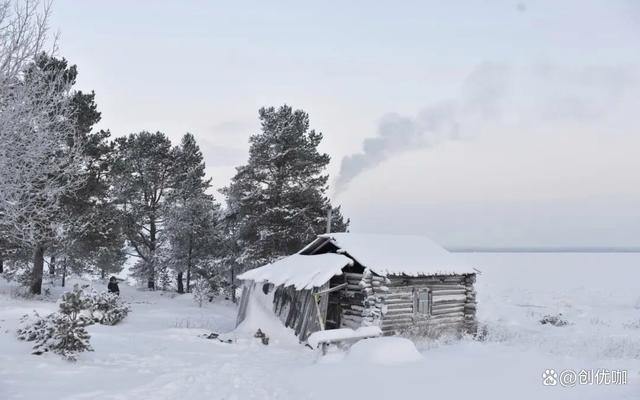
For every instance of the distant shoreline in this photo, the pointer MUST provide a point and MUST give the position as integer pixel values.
(544, 249)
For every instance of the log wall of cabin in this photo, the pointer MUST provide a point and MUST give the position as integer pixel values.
(453, 305)
(388, 302)
(362, 300)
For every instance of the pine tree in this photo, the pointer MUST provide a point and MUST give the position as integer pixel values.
(143, 178)
(63, 332)
(93, 222)
(40, 161)
(277, 202)
(193, 215)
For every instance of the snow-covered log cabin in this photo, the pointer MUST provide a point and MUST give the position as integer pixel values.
(403, 284)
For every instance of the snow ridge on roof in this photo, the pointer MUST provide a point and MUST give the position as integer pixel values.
(399, 255)
(303, 272)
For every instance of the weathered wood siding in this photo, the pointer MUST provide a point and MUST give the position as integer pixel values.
(297, 310)
(389, 303)
(247, 287)
(452, 307)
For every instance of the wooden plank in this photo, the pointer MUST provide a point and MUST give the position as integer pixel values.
(244, 301)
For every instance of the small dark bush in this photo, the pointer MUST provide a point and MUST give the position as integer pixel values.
(555, 320)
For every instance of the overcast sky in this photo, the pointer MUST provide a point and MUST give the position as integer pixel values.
(493, 123)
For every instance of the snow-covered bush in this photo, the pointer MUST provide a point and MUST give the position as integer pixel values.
(35, 327)
(71, 337)
(202, 291)
(107, 308)
(208, 287)
(555, 320)
(63, 332)
(73, 303)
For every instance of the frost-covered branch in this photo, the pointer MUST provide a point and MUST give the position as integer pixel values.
(24, 29)
(41, 157)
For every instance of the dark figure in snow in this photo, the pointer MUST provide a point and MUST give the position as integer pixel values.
(113, 286)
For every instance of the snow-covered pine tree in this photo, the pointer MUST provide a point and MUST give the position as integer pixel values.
(143, 179)
(202, 291)
(92, 220)
(277, 201)
(70, 336)
(193, 216)
(63, 332)
(39, 159)
(107, 308)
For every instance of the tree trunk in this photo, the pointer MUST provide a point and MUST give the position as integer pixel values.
(233, 284)
(52, 266)
(189, 265)
(151, 281)
(64, 271)
(38, 266)
(180, 285)
(102, 273)
(1, 265)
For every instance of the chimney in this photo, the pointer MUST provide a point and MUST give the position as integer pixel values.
(329, 220)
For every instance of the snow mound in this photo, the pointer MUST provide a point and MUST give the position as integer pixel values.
(384, 350)
(342, 334)
(260, 315)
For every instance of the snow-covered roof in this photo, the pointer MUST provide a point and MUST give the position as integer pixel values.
(303, 272)
(398, 255)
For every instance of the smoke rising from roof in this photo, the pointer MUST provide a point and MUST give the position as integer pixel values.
(480, 97)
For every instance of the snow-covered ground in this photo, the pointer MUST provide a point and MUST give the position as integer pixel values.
(158, 352)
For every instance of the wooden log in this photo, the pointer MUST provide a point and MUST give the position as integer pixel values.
(429, 324)
(449, 302)
(444, 297)
(447, 310)
(353, 318)
(458, 316)
(447, 287)
(404, 293)
(407, 311)
(396, 320)
(405, 304)
(449, 292)
(397, 301)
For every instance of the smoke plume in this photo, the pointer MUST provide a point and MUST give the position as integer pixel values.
(479, 98)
